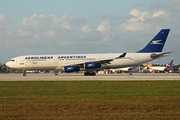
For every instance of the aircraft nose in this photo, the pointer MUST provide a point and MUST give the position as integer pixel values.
(8, 64)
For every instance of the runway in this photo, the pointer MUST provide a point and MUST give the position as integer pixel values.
(81, 77)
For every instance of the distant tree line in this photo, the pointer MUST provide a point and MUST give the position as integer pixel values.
(177, 65)
(3, 69)
(159, 65)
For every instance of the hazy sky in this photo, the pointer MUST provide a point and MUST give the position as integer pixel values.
(86, 26)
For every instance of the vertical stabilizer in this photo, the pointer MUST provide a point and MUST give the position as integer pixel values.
(157, 43)
(169, 66)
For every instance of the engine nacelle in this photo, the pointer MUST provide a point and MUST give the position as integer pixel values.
(71, 68)
(91, 65)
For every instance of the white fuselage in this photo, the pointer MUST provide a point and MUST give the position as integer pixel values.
(54, 62)
(122, 69)
(156, 68)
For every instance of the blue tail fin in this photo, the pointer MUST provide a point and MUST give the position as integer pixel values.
(157, 43)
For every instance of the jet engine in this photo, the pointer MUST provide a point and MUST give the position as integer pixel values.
(71, 68)
(91, 65)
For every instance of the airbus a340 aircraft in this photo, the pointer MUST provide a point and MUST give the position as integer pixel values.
(91, 62)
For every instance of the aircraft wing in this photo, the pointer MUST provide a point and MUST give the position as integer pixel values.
(108, 60)
(101, 61)
(158, 55)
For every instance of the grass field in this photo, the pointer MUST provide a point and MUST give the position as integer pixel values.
(90, 100)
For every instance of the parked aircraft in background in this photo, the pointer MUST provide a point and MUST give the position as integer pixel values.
(147, 65)
(161, 68)
(91, 62)
(125, 69)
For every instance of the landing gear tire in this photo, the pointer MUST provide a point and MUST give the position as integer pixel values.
(93, 74)
(90, 74)
(86, 73)
(24, 74)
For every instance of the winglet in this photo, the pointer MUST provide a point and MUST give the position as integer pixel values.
(121, 56)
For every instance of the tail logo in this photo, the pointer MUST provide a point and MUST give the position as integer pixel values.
(156, 42)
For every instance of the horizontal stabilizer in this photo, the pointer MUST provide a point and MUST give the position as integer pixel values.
(158, 55)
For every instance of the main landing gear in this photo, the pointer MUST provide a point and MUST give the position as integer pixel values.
(24, 73)
(87, 73)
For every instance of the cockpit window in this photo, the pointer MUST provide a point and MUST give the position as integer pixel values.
(12, 60)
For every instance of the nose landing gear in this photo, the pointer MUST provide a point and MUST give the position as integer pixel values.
(24, 73)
